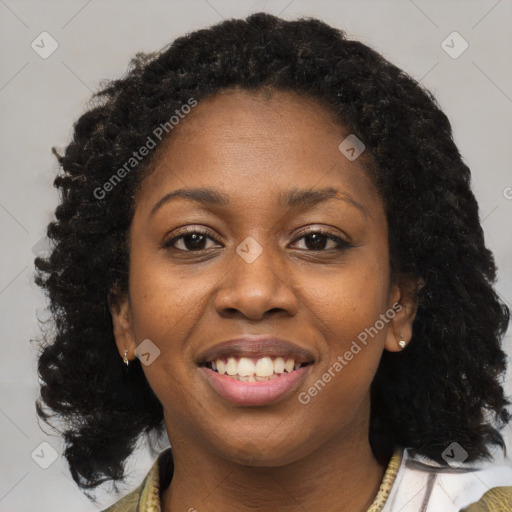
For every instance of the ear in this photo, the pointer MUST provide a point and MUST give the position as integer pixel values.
(403, 303)
(124, 335)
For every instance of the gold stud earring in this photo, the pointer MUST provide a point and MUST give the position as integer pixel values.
(402, 343)
(125, 359)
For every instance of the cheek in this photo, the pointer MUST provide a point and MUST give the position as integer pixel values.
(166, 309)
(347, 308)
(345, 305)
(349, 301)
(164, 303)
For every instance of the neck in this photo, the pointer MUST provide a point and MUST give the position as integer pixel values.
(343, 470)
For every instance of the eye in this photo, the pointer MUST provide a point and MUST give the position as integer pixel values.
(190, 241)
(318, 239)
(315, 240)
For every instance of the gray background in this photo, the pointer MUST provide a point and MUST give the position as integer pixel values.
(41, 98)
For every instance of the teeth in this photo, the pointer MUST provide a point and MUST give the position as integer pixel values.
(232, 366)
(252, 370)
(264, 367)
(246, 367)
(279, 365)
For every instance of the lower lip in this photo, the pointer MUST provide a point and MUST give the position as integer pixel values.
(255, 393)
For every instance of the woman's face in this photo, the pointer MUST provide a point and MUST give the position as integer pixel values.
(252, 270)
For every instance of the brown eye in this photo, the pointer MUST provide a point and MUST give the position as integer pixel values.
(189, 242)
(318, 240)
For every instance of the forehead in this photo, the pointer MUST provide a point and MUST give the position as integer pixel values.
(250, 144)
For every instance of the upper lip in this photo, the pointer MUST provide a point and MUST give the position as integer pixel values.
(255, 347)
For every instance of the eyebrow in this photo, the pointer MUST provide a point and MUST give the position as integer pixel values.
(293, 198)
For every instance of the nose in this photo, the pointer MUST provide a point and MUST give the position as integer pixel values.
(256, 289)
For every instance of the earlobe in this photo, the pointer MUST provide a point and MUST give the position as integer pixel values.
(400, 330)
(120, 310)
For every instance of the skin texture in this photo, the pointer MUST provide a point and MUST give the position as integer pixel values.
(253, 147)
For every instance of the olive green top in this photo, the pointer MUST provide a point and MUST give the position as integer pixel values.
(147, 497)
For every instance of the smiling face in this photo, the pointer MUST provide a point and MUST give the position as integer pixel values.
(289, 241)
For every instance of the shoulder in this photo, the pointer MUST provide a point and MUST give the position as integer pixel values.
(421, 482)
(498, 499)
(146, 496)
(130, 502)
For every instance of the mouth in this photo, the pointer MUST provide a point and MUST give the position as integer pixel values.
(261, 369)
(254, 370)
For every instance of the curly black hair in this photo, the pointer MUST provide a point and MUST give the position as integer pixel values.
(445, 387)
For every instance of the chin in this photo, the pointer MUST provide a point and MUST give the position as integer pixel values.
(264, 453)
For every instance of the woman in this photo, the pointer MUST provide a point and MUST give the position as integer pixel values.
(267, 249)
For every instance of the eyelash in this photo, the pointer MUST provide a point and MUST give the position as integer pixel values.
(341, 243)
